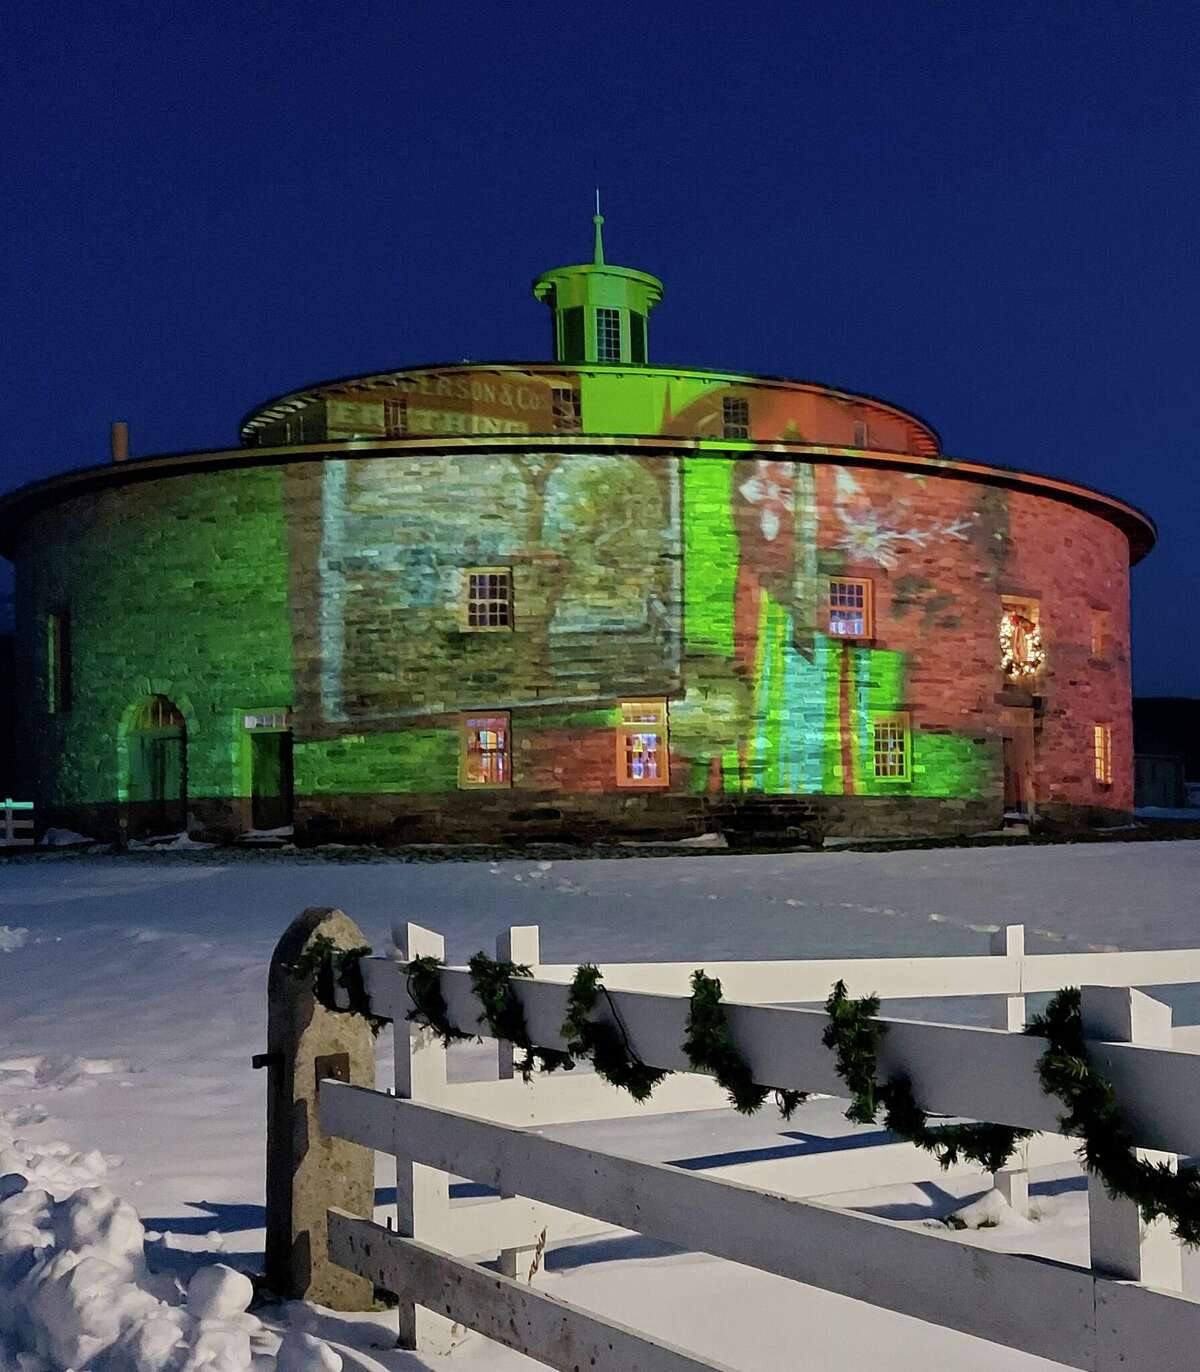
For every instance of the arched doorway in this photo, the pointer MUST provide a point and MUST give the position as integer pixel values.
(157, 747)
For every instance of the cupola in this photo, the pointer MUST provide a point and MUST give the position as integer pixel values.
(599, 311)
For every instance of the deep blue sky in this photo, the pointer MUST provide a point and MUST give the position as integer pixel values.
(987, 213)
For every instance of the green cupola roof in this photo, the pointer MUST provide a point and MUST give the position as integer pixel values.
(599, 311)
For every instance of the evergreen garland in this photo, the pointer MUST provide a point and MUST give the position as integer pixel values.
(1093, 1114)
(326, 967)
(710, 1048)
(492, 983)
(423, 979)
(855, 1034)
(607, 1045)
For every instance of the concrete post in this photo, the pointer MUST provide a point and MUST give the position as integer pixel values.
(307, 1172)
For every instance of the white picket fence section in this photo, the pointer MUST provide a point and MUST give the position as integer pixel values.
(16, 823)
(1123, 1310)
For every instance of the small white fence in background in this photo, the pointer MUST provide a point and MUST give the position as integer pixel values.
(16, 822)
(1123, 1310)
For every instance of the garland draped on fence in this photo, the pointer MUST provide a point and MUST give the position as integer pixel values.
(606, 1044)
(710, 1048)
(1093, 1114)
(854, 1033)
(325, 967)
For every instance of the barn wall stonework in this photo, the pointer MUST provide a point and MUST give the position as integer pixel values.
(333, 589)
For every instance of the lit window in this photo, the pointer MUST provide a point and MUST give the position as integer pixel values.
(1100, 633)
(735, 414)
(850, 608)
(891, 747)
(564, 405)
(486, 751)
(395, 417)
(1102, 761)
(608, 335)
(58, 662)
(642, 744)
(488, 599)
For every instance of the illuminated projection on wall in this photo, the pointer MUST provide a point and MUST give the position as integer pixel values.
(703, 581)
(578, 596)
(591, 544)
(775, 701)
(454, 403)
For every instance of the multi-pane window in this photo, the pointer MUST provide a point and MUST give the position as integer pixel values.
(564, 407)
(488, 598)
(1102, 754)
(395, 417)
(891, 747)
(1100, 633)
(735, 416)
(642, 744)
(58, 662)
(850, 608)
(608, 335)
(486, 757)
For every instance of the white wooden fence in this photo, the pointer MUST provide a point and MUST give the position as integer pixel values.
(1123, 1310)
(16, 822)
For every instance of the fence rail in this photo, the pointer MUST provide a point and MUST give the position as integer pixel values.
(16, 823)
(1098, 1317)
(1041, 1307)
(977, 1073)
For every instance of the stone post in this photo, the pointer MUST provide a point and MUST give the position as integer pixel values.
(307, 1172)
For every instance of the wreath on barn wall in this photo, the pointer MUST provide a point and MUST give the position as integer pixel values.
(1021, 651)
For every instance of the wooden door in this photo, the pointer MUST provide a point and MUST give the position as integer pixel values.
(1018, 771)
(156, 781)
(271, 779)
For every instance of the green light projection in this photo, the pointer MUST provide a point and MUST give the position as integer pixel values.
(333, 588)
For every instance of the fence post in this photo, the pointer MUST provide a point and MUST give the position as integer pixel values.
(8, 820)
(1013, 1181)
(307, 1172)
(1009, 942)
(422, 1193)
(1122, 1244)
(519, 943)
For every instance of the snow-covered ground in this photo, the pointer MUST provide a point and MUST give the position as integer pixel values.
(132, 996)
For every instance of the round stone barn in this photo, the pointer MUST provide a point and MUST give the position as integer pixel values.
(573, 599)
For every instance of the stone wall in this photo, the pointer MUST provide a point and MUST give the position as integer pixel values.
(175, 587)
(334, 589)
